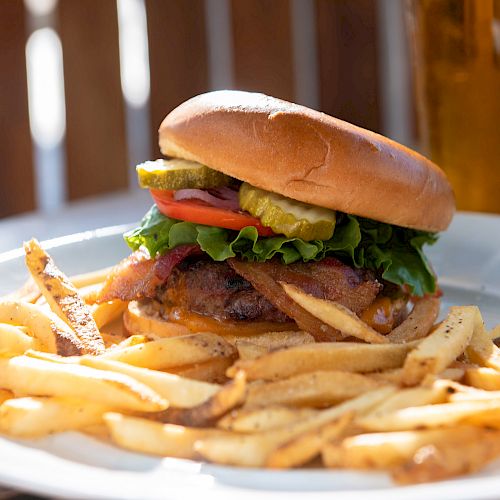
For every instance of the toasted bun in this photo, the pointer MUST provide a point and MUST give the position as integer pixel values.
(309, 156)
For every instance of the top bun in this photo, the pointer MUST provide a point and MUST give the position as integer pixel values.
(309, 156)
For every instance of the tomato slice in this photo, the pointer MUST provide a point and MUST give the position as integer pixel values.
(201, 213)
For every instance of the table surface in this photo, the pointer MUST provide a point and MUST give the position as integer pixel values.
(91, 213)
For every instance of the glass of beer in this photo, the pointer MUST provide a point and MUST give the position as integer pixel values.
(455, 49)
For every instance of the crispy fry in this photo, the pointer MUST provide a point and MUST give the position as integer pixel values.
(418, 323)
(464, 453)
(91, 278)
(335, 315)
(212, 371)
(36, 377)
(305, 447)
(166, 353)
(90, 293)
(434, 415)
(442, 346)
(253, 450)
(14, 340)
(481, 349)
(29, 292)
(317, 389)
(412, 397)
(107, 312)
(51, 332)
(273, 340)
(483, 378)
(145, 436)
(341, 356)
(63, 297)
(388, 449)
(494, 333)
(255, 346)
(32, 417)
(249, 350)
(205, 414)
(179, 392)
(262, 419)
(5, 395)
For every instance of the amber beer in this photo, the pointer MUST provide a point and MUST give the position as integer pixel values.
(455, 47)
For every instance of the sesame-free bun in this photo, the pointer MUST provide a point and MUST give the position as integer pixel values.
(309, 156)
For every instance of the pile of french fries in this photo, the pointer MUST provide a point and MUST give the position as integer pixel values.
(422, 402)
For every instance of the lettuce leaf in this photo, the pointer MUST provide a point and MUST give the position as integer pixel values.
(394, 252)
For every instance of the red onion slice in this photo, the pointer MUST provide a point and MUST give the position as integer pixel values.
(219, 197)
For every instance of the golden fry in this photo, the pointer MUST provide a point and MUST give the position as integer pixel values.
(63, 297)
(339, 356)
(335, 315)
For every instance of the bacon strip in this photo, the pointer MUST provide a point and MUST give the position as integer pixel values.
(138, 276)
(267, 286)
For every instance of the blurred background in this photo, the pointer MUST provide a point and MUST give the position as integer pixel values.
(85, 84)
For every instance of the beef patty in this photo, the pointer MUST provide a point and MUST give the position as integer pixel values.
(215, 289)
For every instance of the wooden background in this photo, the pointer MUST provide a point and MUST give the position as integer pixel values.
(262, 56)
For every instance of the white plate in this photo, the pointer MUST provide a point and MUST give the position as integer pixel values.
(467, 259)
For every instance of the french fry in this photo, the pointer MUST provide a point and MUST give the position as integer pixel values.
(178, 391)
(5, 395)
(418, 323)
(107, 312)
(251, 347)
(412, 397)
(494, 333)
(29, 292)
(442, 346)
(131, 341)
(274, 340)
(434, 415)
(36, 377)
(51, 332)
(262, 419)
(392, 376)
(166, 353)
(481, 349)
(305, 447)
(249, 350)
(253, 450)
(339, 356)
(91, 278)
(15, 341)
(317, 389)
(146, 436)
(63, 297)
(462, 454)
(384, 450)
(139, 319)
(32, 417)
(483, 378)
(205, 414)
(335, 315)
(212, 371)
(90, 293)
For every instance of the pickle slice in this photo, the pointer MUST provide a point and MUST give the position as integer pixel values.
(179, 174)
(286, 216)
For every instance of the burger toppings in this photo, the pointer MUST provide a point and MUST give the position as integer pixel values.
(286, 216)
(223, 197)
(199, 212)
(394, 253)
(179, 174)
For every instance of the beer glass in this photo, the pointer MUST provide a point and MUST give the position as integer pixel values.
(455, 50)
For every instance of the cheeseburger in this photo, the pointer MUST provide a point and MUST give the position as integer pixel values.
(254, 192)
